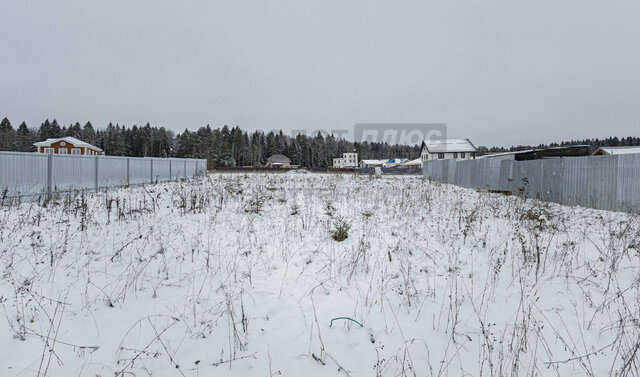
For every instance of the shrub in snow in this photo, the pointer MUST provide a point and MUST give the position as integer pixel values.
(340, 231)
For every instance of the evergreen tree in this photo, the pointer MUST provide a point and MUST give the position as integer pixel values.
(45, 131)
(234, 147)
(74, 130)
(56, 131)
(25, 139)
(185, 145)
(88, 134)
(7, 136)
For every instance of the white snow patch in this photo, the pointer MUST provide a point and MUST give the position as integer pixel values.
(237, 274)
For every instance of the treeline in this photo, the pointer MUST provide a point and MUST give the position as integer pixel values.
(221, 147)
(114, 140)
(592, 143)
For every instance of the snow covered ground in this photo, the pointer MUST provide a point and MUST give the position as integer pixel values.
(239, 275)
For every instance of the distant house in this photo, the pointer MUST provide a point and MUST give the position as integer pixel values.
(278, 161)
(348, 160)
(371, 163)
(603, 151)
(417, 163)
(67, 145)
(459, 149)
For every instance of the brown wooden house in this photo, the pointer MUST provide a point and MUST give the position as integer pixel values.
(67, 145)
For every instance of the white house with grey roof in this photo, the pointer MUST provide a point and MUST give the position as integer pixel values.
(371, 163)
(443, 149)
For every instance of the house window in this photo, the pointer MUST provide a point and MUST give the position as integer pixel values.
(441, 155)
(62, 143)
(62, 151)
(75, 151)
(461, 154)
(48, 150)
(455, 154)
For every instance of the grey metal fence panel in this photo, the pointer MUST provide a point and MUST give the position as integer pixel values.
(139, 170)
(161, 169)
(178, 169)
(194, 167)
(493, 173)
(73, 172)
(527, 178)
(441, 171)
(482, 173)
(505, 175)
(450, 166)
(628, 183)
(486, 173)
(199, 168)
(575, 190)
(553, 176)
(462, 175)
(426, 170)
(112, 171)
(22, 174)
(471, 173)
(604, 182)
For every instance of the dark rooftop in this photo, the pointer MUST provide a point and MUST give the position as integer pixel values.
(279, 158)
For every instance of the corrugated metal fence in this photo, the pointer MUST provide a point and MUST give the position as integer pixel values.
(24, 174)
(604, 182)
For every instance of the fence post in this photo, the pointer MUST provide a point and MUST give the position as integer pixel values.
(128, 171)
(95, 177)
(185, 169)
(49, 171)
(151, 171)
(169, 169)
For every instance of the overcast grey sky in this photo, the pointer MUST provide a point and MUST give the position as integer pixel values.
(498, 72)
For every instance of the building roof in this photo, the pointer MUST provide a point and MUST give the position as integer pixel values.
(397, 160)
(541, 153)
(68, 139)
(417, 161)
(618, 150)
(554, 152)
(505, 153)
(373, 162)
(449, 145)
(279, 158)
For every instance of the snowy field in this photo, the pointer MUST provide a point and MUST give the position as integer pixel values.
(240, 275)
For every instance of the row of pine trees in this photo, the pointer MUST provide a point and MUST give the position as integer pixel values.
(229, 147)
(592, 143)
(221, 147)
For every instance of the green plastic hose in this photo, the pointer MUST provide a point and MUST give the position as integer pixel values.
(350, 319)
